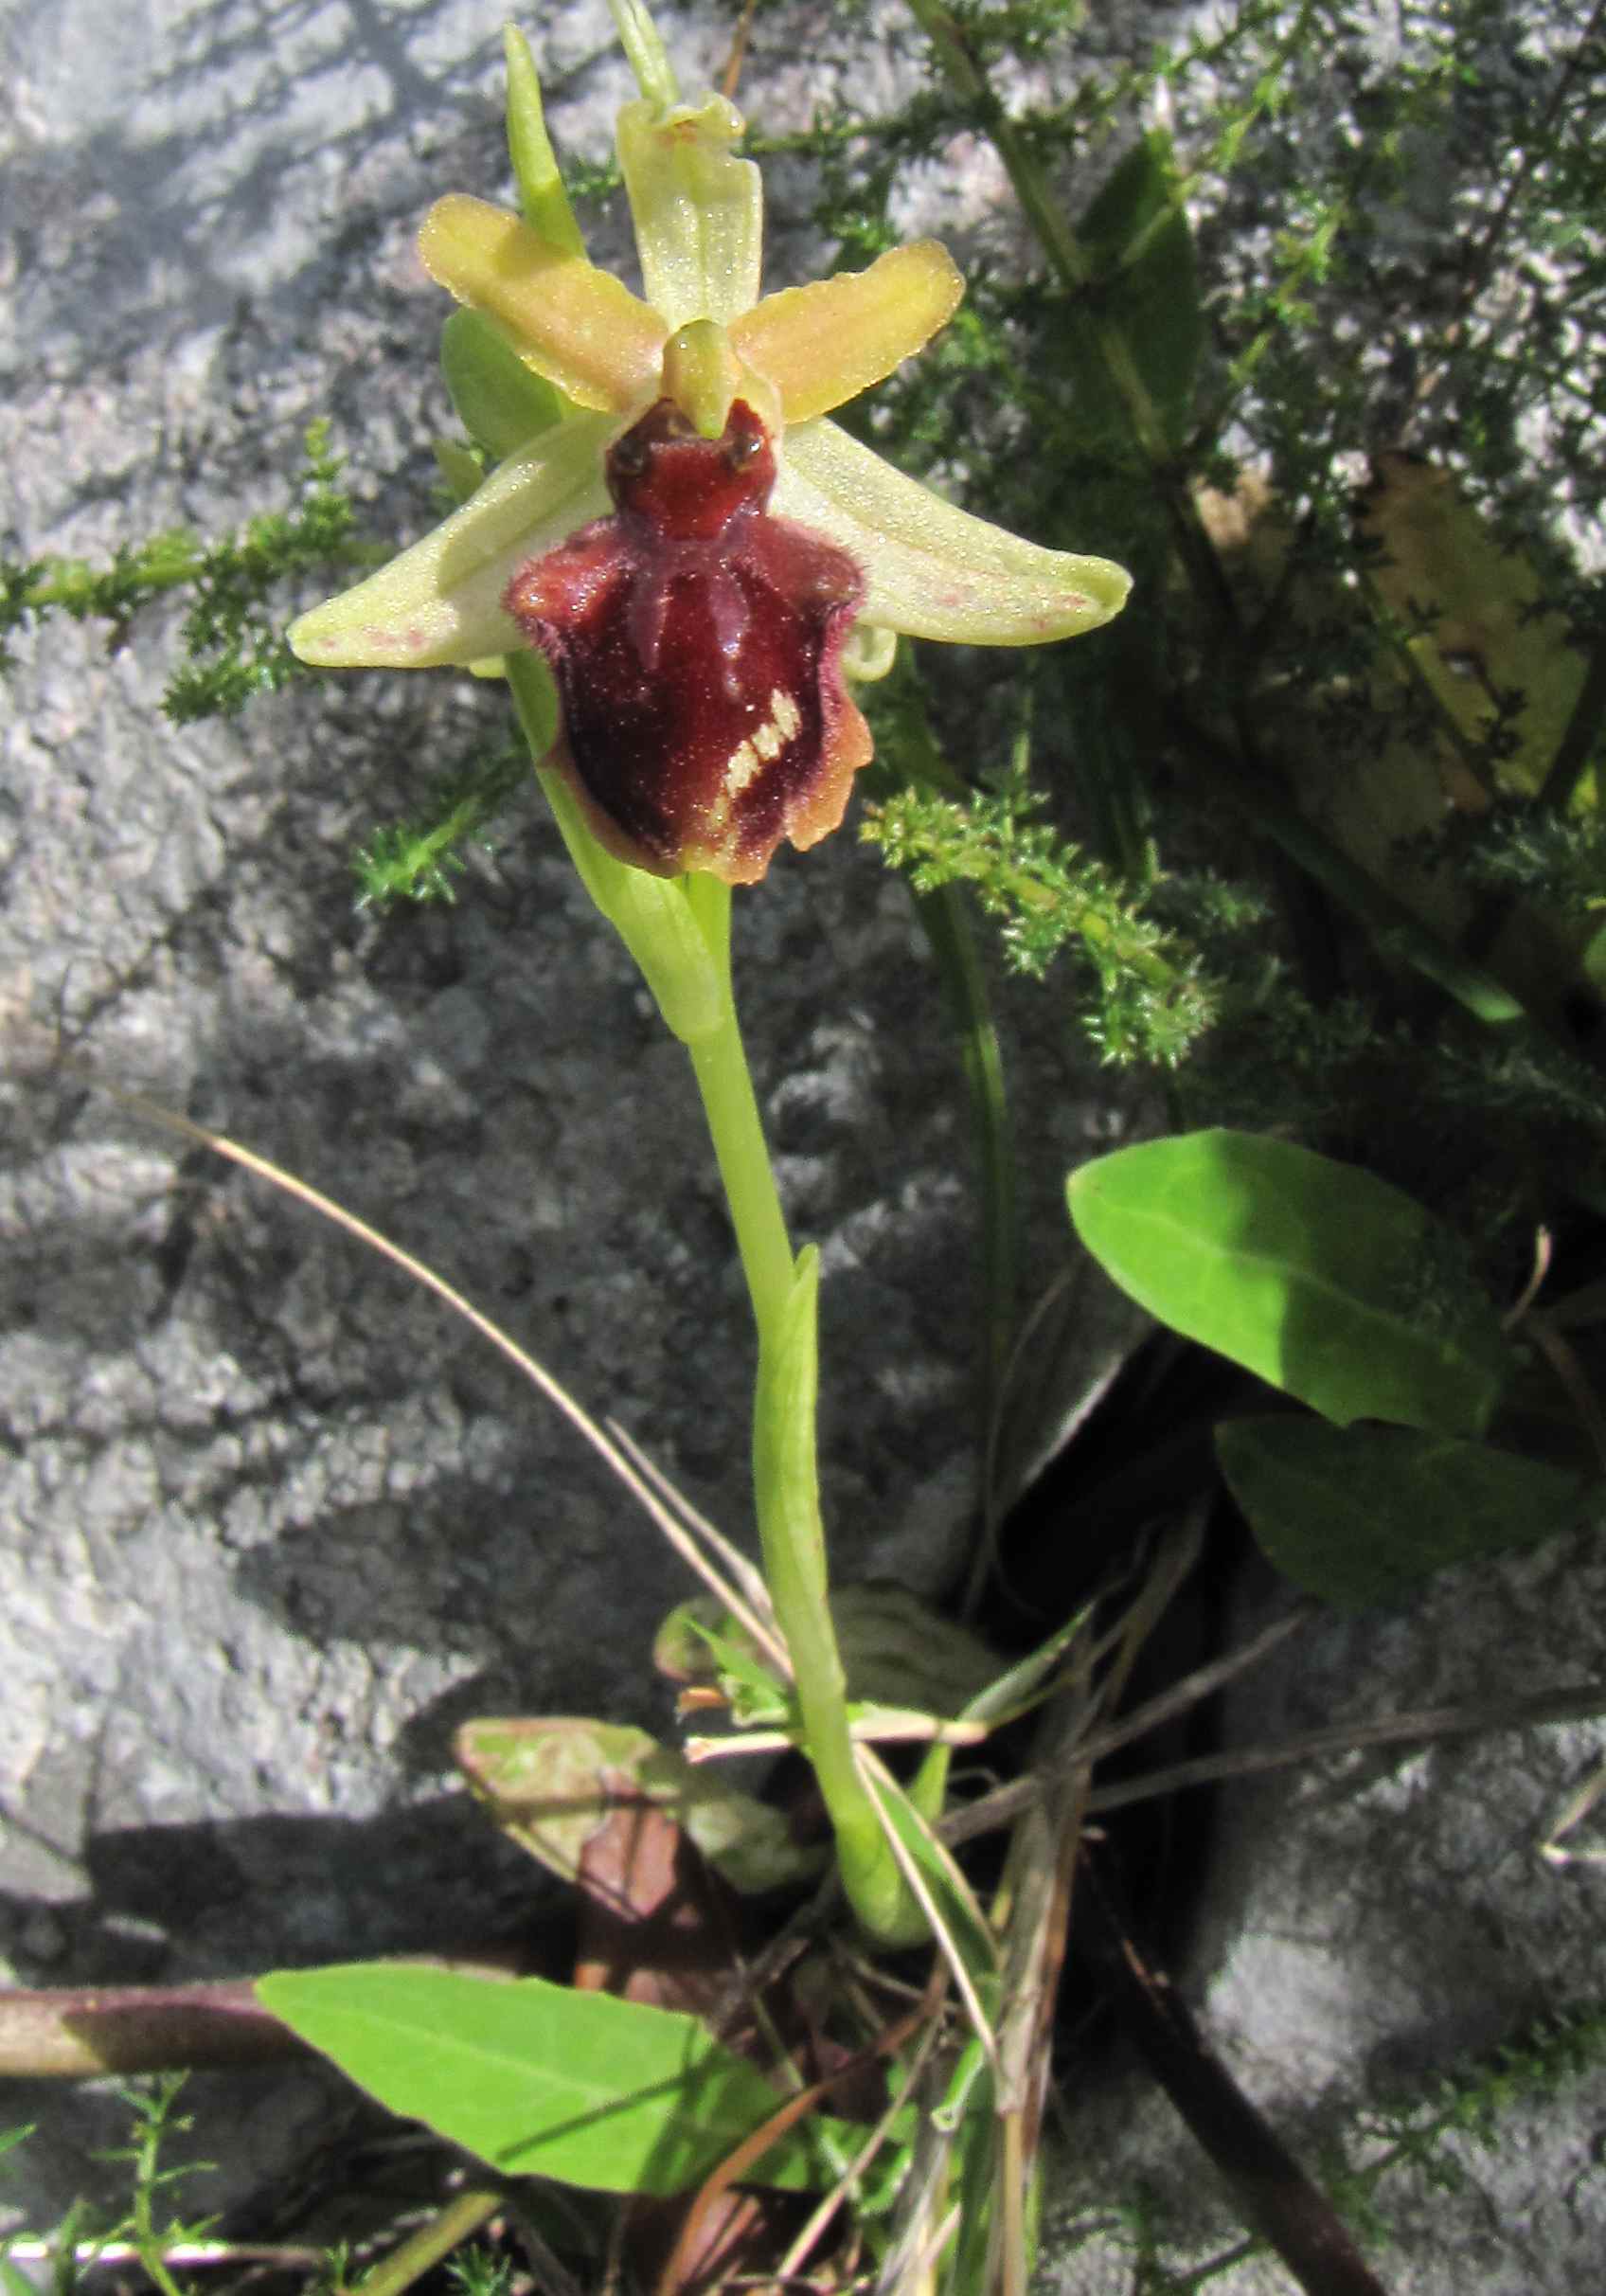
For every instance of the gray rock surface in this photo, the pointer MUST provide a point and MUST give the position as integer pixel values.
(1376, 1921)
(270, 1523)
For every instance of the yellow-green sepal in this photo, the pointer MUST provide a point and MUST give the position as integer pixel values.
(698, 210)
(932, 570)
(579, 327)
(441, 600)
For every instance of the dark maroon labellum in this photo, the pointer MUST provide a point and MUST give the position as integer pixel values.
(697, 644)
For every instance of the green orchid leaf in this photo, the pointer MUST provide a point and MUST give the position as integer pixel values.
(1144, 306)
(897, 1651)
(1321, 1278)
(539, 2080)
(1364, 1514)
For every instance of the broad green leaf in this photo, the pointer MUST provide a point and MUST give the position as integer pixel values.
(1365, 1515)
(1325, 1280)
(541, 2080)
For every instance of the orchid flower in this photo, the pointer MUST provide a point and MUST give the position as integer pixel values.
(692, 542)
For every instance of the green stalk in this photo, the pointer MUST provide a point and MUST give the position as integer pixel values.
(792, 1536)
(784, 1292)
(719, 1062)
(431, 2244)
(678, 930)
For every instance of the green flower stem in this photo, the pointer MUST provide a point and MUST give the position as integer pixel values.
(791, 1536)
(678, 930)
(784, 1292)
(720, 1063)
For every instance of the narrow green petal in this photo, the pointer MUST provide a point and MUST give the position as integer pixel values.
(441, 600)
(932, 570)
(580, 327)
(698, 210)
(823, 344)
(535, 167)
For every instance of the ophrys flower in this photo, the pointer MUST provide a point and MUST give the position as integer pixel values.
(690, 542)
